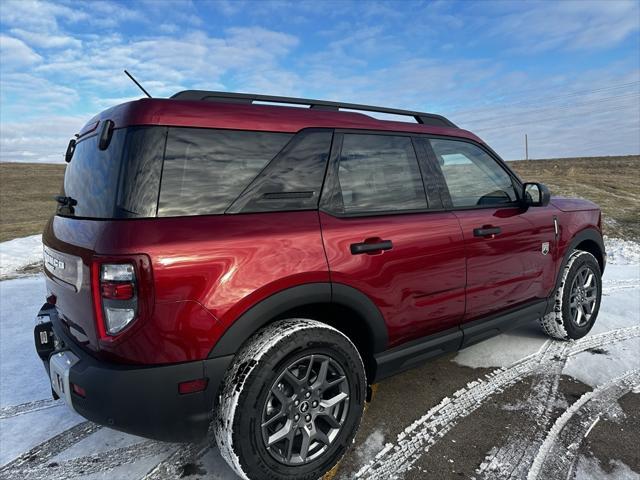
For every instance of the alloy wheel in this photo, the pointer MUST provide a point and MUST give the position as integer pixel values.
(305, 409)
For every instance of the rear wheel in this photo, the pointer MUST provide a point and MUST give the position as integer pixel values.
(291, 402)
(577, 300)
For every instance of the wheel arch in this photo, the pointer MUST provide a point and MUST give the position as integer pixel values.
(588, 240)
(324, 302)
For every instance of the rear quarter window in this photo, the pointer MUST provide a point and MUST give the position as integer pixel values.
(205, 170)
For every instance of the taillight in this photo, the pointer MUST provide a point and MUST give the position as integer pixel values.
(115, 296)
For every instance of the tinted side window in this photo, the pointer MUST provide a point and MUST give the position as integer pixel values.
(473, 177)
(205, 170)
(379, 173)
(142, 166)
(293, 180)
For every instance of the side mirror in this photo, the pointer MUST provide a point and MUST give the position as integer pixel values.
(535, 194)
(70, 149)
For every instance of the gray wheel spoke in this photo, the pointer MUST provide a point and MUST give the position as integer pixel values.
(330, 419)
(272, 420)
(333, 401)
(306, 442)
(588, 281)
(322, 438)
(292, 379)
(280, 434)
(322, 375)
(308, 372)
(290, 440)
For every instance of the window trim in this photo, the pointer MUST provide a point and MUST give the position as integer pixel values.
(329, 198)
(444, 188)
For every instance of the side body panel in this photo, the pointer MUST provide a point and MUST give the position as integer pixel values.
(207, 271)
(418, 285)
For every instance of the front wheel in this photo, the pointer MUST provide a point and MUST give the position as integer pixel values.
(577, 300)
(291, 402)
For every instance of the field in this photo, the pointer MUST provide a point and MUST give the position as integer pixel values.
(611, 182)
(26, 197)
(27, 191)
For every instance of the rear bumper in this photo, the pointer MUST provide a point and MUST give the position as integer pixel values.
(141, 400)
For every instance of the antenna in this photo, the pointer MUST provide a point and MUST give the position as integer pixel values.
(137, 83)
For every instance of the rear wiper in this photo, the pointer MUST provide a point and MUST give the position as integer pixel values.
(66, 204)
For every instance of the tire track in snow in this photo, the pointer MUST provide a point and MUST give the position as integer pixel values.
(395, 459)
(21, 409)
(557, 455)
(514, 458)
(90, 464)
(173, 465)
(41, 454)
(611, 286)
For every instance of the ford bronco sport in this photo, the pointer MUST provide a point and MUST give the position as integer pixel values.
(220, 261)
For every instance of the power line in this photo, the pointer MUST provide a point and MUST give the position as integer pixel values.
(553, 108)
(553, 98)
(538, 122)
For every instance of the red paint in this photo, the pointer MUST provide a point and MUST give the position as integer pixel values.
(418, 285)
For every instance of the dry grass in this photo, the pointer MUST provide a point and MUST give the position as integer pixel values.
(27, 191)
(611, 182)
(26, 197)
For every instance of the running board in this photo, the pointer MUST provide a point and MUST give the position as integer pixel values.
(415, 352)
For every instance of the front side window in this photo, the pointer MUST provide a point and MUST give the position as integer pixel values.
(205, 170)
(473, 177)
(379, 173)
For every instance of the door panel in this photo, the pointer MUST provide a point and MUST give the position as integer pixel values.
(509, 268)
(410, 264)
(418, 284)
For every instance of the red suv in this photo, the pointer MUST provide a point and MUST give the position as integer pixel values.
(219, 261)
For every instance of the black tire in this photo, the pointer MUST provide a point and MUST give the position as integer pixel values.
(258, 382)
(566, 321)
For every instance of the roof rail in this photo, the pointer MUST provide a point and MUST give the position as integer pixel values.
(228, 97)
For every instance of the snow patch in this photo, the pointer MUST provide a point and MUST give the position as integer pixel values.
(370, 447)
(19, 253)
(590, 469)
(622, 252)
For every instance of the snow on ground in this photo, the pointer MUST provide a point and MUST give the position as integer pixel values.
(19, 253)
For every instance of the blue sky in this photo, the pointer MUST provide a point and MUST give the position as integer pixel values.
(566, 73)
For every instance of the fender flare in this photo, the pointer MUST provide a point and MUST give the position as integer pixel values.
(587, 234)
(264, 311)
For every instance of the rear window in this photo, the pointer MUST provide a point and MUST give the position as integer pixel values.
(205, 170)
(91, 179)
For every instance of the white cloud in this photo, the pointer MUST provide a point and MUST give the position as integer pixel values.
(41, 140)
(42, 40)
(14, 53)
(542, 26)
(38, 15)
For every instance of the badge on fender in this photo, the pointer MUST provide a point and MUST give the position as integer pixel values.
(545, 248)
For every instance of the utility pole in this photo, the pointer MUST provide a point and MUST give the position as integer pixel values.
(526, 147)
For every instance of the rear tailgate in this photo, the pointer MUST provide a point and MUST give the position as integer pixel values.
(68, 252)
